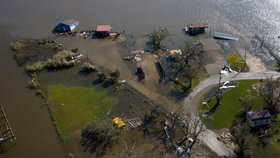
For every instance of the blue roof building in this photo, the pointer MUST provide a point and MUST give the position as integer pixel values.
(66, 26)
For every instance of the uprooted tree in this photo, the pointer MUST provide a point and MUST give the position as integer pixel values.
(157, 36)
(269, 90)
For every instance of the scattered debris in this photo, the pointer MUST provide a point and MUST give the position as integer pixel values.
(118, 121)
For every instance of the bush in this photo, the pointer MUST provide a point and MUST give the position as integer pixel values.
(17, 45)
(59, 60)
(35, 67)
(87, 67)
(115, 74)
(102, 76)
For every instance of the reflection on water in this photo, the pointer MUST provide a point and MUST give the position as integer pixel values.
(35, 18)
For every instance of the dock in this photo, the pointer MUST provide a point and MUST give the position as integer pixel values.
(220, 35)
(6, 132)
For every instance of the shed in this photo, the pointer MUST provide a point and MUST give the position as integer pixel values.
(103, 31)
(258, 118)
(66, 26)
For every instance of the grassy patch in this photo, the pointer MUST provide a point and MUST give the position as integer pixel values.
(73, 107)
(236, 62)
(225, 113)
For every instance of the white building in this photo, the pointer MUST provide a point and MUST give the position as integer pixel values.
(258, 118)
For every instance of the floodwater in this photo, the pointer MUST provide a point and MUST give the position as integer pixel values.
(36, 18)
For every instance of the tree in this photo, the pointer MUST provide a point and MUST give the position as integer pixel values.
(157, 36)
(269, 90)
(98, 136)
(277, 66)
(241, 136)
(75, 50)
(198, 128)
(115, 74)
(193, 51)
(101, 76)
(189, 63)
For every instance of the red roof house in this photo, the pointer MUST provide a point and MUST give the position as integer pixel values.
(104, 28)
(103, 31)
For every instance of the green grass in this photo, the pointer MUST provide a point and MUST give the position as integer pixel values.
(225, 113)
(236, 62)
(73, 107)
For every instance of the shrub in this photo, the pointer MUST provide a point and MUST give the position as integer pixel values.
(87, 67)
(35, 67)
(17, 45)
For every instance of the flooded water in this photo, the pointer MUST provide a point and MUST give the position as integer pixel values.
(36, 18)
(28, 116)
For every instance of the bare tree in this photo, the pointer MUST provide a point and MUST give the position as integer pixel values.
(190, 63)
(193, 51)
(157, 36)
(240, 135)
(269, 90)
(198, 127)
(99, 136)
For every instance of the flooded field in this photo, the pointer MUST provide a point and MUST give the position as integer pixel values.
(27, 113)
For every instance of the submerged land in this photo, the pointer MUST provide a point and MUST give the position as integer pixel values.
(77, 97)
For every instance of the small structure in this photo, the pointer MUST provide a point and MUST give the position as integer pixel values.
(6, 133)
(258, 118)
(66, 26)
(225, 36)
(103, 31)
(195, 29)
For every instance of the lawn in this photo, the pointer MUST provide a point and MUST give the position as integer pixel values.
(73, 107)
(230, 105)
(236, 62)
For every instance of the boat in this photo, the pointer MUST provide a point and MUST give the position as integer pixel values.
(220, 35)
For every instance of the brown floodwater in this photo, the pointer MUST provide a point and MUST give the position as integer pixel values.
(28, 116)
(35, 19)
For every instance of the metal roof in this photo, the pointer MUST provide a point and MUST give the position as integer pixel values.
(104, 28)
(256, 115)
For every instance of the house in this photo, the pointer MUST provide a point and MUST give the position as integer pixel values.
(66, 26)
(103, 31)
(258, 118)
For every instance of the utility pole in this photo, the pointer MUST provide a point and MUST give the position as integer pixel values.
(245, 59)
